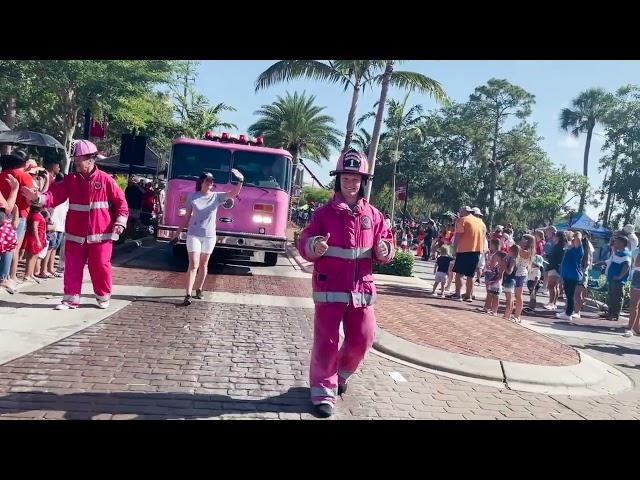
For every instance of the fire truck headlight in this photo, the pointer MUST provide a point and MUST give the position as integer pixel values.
(262, 219)
(182, 212)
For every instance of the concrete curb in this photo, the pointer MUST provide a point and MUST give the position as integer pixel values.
(440, 360)
(294, 254)
(588, 377)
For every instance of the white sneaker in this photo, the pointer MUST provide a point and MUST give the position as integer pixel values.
(563, 316)
(104, 304)
(629, 333)
(549, 306)
(576, 315)
(65, 306)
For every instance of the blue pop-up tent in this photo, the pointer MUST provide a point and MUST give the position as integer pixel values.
(584, 222)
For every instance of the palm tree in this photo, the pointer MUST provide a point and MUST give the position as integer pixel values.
(588, 109)
(201, 117)
(401, 124)
(361, 140)
(297, 125)
(357, 74)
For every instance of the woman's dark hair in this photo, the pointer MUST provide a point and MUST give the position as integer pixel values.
(585, 255)
(17, 159)
(35, 209)
(562, 239)
(51, 161)
(59, 177)
(202, 178)
(363, 184)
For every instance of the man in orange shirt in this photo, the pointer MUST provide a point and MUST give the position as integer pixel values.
(468, 246)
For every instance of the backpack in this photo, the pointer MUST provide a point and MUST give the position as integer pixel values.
(8, 236)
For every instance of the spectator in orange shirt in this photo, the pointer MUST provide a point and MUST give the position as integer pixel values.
(469, 245)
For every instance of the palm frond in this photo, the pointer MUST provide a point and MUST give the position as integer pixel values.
(286, 70)
(418, 82)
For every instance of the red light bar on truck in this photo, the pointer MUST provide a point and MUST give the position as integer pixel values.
(263, 207)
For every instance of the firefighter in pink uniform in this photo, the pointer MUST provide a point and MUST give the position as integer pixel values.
(97, 215)
(343, 239)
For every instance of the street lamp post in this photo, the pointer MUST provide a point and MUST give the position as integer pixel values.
(87, 124)
(396, 157)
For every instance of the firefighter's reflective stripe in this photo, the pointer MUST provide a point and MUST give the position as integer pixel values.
(348, 253)
(74, 238)
(76, 207)
(94, 205)
(71, 299)
(100, 237)
(358, 299)
(343, 374)
(361, 299)
(309, 246)
(121, 220)
(324, 392)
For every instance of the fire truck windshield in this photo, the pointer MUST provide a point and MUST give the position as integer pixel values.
(189, 161)
(260, 169)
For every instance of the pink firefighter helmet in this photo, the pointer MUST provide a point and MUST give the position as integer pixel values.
(352, 161)
(84, 147)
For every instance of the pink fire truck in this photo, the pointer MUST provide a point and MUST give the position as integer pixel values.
(254, 221)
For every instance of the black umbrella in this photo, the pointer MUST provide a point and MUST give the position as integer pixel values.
(25, 137)
(3, 127)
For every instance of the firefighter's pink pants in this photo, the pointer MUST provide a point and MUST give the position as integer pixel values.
(76, 256)
(330, 367)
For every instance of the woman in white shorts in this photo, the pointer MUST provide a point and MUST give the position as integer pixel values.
(202, 207)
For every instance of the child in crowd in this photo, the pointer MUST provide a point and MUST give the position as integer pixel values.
(509, 282)
(539, 236)
(490, 274)
(404, 242)
(534, 282)
(617, 277)
(494, 285)
(34, 241)
(441, 270)
(634, 300)
(523, 264)
(45, 255)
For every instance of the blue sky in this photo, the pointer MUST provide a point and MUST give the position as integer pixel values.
(553, 82)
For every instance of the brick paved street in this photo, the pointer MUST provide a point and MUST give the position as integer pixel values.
(455, 327)
(224, 361)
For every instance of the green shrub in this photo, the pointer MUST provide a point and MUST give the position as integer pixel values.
(121, 180)
(402, 265)
(602, 295)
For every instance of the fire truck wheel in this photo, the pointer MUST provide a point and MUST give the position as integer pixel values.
(179, 251)
(270, 258)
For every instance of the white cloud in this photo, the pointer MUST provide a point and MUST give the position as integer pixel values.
(570, 142)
